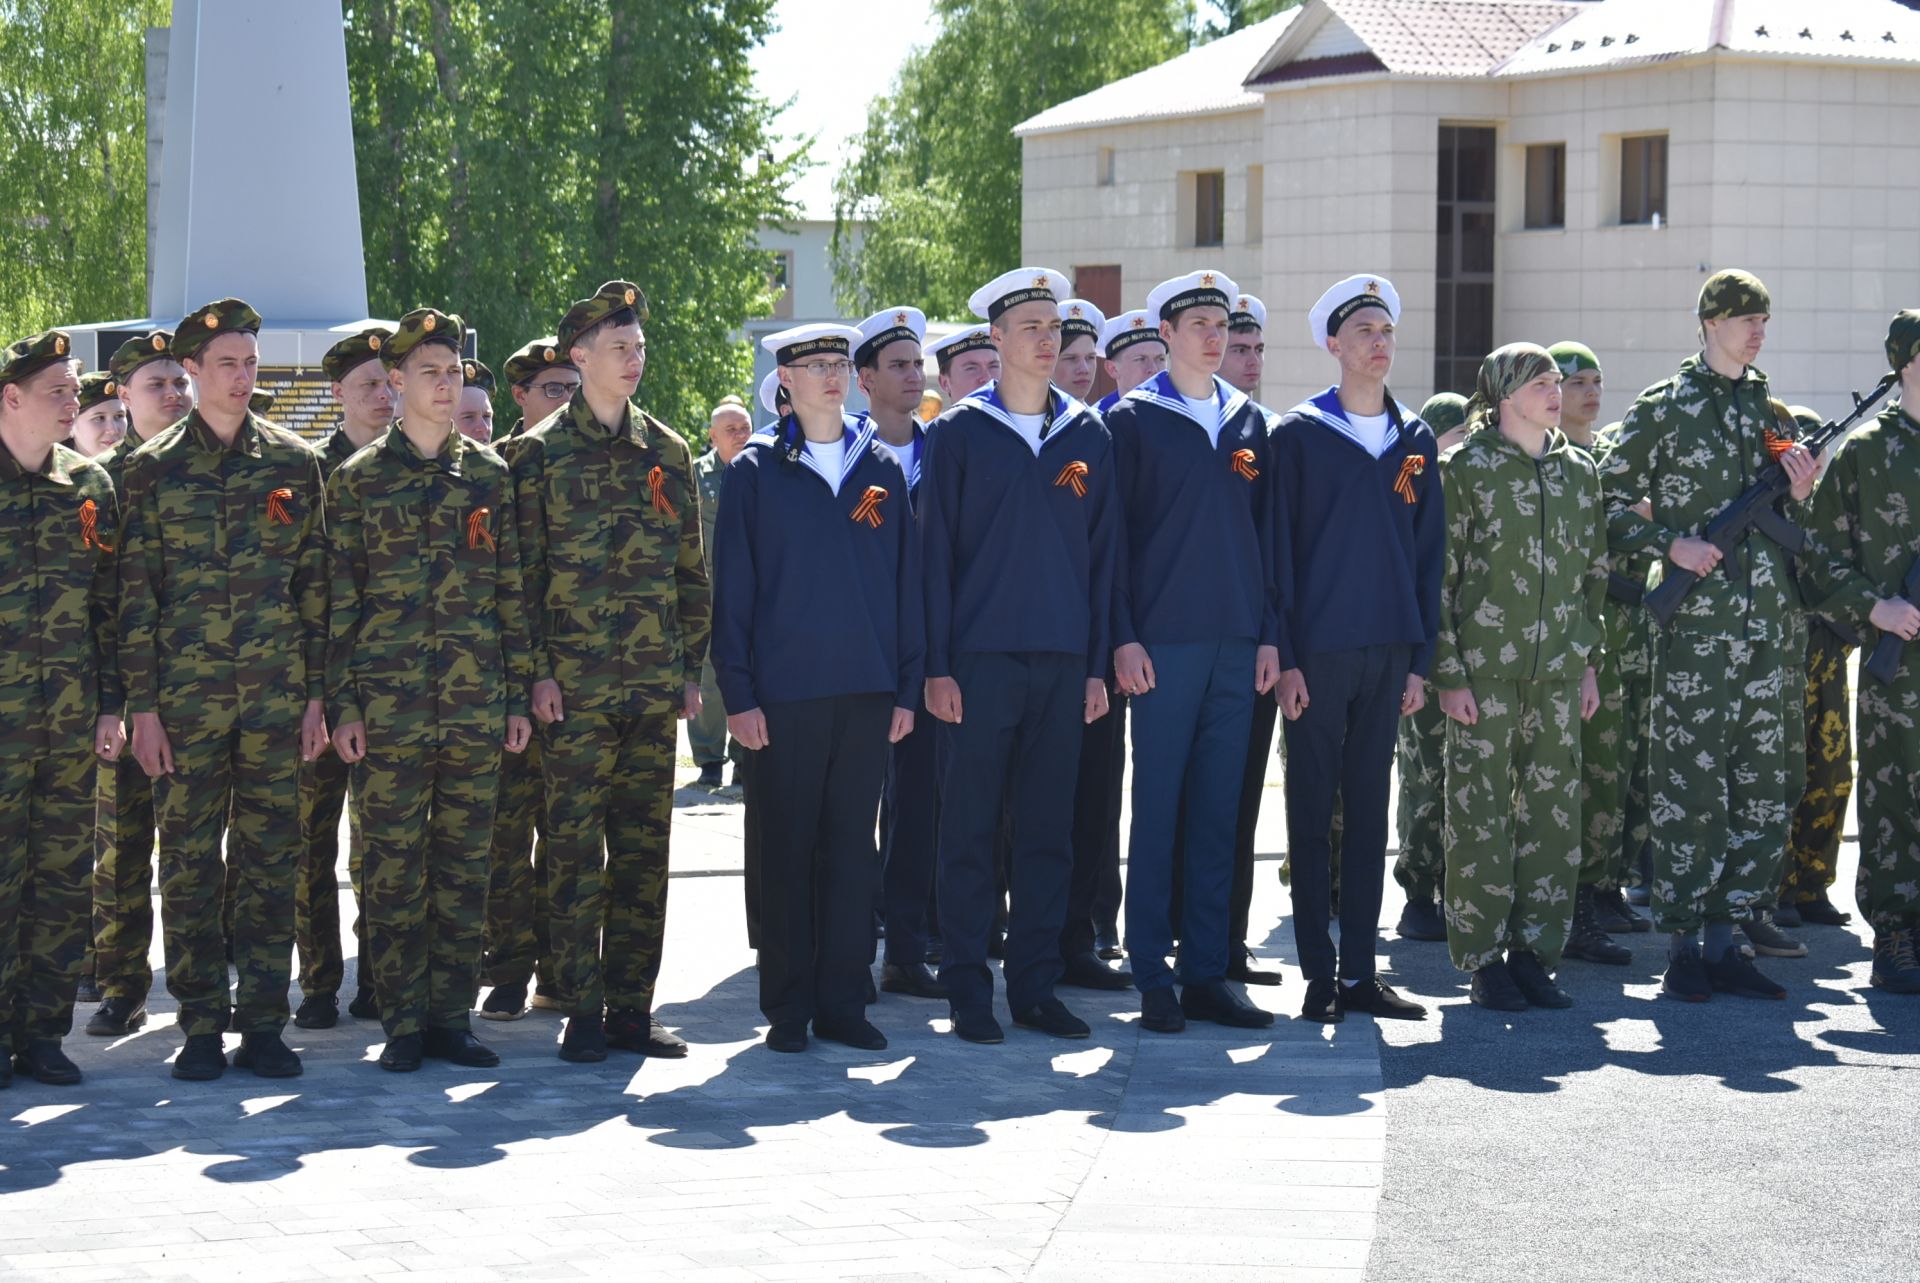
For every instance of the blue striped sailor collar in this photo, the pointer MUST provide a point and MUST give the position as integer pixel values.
(919, 446)
(1159, 390)
(1062, 408)
(784, 437)
(1326, 410)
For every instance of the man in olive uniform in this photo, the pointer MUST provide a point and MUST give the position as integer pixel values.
(1726, 766)
(427, 676)
(728, 428)
(619, 611)
(223, 603)
(59, 697)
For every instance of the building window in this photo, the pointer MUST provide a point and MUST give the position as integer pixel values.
(1103, 167)
(1547, 185)
(1463, 256)
(1643, 179)
(1256, 202)
(780, 282)
(1210, 207)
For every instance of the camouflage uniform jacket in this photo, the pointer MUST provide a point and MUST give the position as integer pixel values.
(336, 450)
(56, 603)
(223, 579)
(1526, 563)
(428, 639)
(1627, 627)
(708, 471)
(1692, 444)
(618, 605)
(1865, 526)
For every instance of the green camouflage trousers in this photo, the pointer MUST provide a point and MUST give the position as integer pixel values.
(1513, 822)
(1813, 854)
(243, 785)
(1605, 759)
(1888, 886)
(123, 879)
(46, 854)
(426, 812)
(609, 785)
(517, 937)
(1727, 765)
(316, 905)
(1421, 754)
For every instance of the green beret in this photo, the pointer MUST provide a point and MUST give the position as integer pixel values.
(205, 324)
(354, 351)
(1733, 293)
(612, 297)
(28, 357)
(541, 354)
(1443, 412)
(1903, 339)
(145, 350)
(97, 387)
(1573, 358)
(417, 327)
(477, 375)
(261, 401)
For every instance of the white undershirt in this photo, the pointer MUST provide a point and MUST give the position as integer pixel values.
(906, 454)
(1028, 426)
(1207, 411)
(1372, 430)
(829, 456)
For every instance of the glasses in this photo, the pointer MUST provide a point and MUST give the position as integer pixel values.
(824, 369)
(558, 390)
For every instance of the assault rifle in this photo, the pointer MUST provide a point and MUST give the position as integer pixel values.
(1757, 509)
(1625, 589)
(1885, 660)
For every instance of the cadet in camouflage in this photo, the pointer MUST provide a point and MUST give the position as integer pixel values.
(1519, 626)
(427, 676)
(60, 699)
(222, 643)
(620, 612)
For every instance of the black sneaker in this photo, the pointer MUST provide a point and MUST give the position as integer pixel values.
(1612, 902)
(709, 778)
(1052, 1017)
(364, 1005)
(584, 1042)
(1241, 967)
(88, 990)
(267, 1055)
(1421, 920)
(1371, 998)
(1895, 968)
(916, 980)
(1535, 981)
(459, 1047)
(976, 1024)
(858, 1034)
(1786, 916)
(1686, 977)
(787, 1035)
(1770, 941)
(318, 1011)
(1221, 1003)
(1160, 1012)
(1086, 971)
(505, 1002)
(1822, 912)
(1736, 974)
(639, 1031)
(44, 1062)
(402, 1053)
(117, 1017)
(1322, 1002)
(201, 1059)
(1494, 989)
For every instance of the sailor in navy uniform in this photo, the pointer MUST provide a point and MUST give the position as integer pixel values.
(1134, 352)
(1079, 365)
(1359, 544)
(818, 642)
(1194, 634)
(1017, 519)
(967, 359)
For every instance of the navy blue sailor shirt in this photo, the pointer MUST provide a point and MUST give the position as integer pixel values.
(1018, 544)
(1359, 542)
(817, 593)
(1196, 558)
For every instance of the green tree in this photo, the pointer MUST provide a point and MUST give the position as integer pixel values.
(934, 181)
(73, 161)
(1235, 14)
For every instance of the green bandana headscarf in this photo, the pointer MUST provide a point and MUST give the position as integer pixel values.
(1505, 371)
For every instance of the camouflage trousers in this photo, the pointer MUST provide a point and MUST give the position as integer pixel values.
(1513, 822)
(1725, 773)
(123, 879)
(609, 786)
(426, 813)
(46, 854)
(1613, 755)
(243, 785)
(316, 905)
(1813, 853)
(1421, 755)
(1888, 886)
(517, 941)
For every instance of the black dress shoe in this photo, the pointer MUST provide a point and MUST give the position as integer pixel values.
(976, 1024)
(1052, 1017)
(318, 1011)
(639, 1031)
(1421, 920)
(1822, 912)
(1160, 1012)
(1535, 982)
(459, 1047)
(44, 1062)
(1106, 944)
(1322, 1003)
(117, 1017)
(787, 1035)
(1241, 968)
(201, 1059)
(402, 1054)
(364, 1005)
(584, 1041)
(1494, 989)
(855, 1033)
(1086, 971)
(916, 980)
(1222, 1004)
(505, 1002)
(267, 1055)
(1371, 998)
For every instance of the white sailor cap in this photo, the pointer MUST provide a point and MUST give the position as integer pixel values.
(974, 338)
(1021, 285)
(770, 392)
(1347, 297)
(1247, 310)
(1127, 329)
(1204, 288)
(790, 345)
(1081, 319)
(887, 326)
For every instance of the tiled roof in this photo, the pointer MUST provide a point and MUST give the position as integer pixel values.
(1625, 32)
(1415, 37)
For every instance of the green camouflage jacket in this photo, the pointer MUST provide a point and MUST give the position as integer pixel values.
(336, 450)
(1692, 444)
(708, 472)
(618, 604)
(57, 670)
(1866, 522)
(428, 638)
(1526, 563)
(223, 579)
(1628, 629)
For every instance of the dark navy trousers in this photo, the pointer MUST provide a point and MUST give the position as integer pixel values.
(1091, 902)
(908, 820)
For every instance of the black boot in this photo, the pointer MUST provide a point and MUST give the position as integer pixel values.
(267, 1055)
(1586, 941)
(1494, 989)
(44, 1062)
(318, 1011)
(1535, 982)
(201, 1059)
(117, 1018)
(585, 1040)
